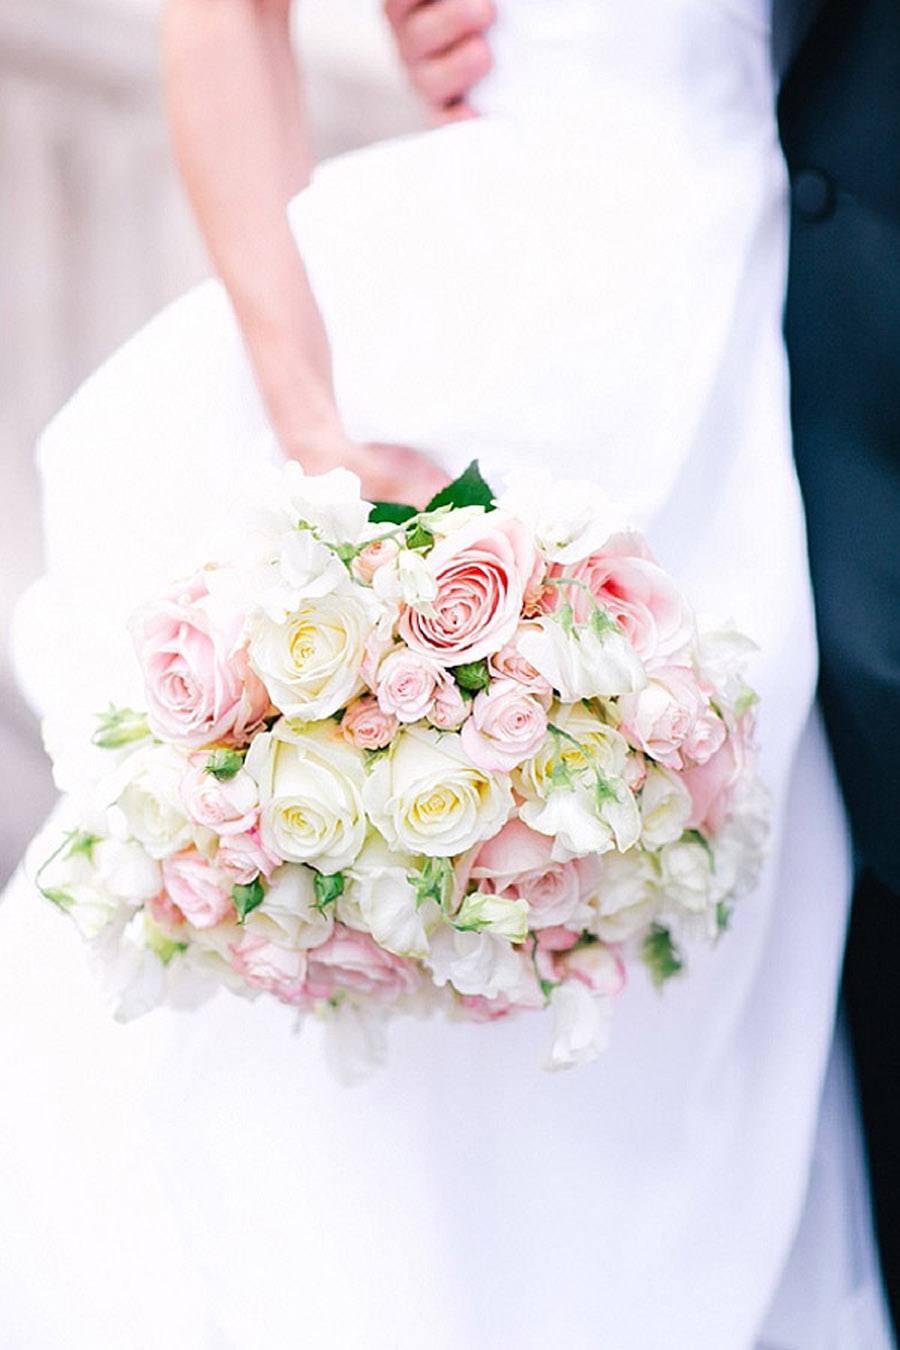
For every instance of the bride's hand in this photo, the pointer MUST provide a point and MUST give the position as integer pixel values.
(388, 472)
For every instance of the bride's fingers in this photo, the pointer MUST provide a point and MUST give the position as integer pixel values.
(432, 29)
(449, 76)
(405, 475)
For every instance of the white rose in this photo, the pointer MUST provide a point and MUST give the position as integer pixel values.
(146, 803)
(310, 664)
(666, 808)
(384, 900)
(288, 914)
(581, 661)
(686, 876)
(569, 518)
(424, 795)
(474, 963)
(310, 784)
(581, 1026)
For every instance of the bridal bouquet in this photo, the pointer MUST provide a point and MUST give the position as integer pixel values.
(482, 757)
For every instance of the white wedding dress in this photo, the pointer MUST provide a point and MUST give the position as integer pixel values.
(589, 276)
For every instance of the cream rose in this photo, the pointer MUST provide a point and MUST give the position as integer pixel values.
(310, 783)
(425, 795)
(310, 664)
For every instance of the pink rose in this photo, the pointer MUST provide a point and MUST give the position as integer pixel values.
(509, 664)
(367, 726)
(480, 572)
(372, 558)
(449, 709)
(406, 684)
(629, 584)
(635, 773)
(663, 717)
(518, 865)
(506, 727)
(227, 806)
(353, 962)
(596, 965)
(269, 966)
(711, 783)
(199, 687)
(165, 913)
(243, 857)
(197, 888)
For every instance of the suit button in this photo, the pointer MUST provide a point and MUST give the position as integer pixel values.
(813, 195)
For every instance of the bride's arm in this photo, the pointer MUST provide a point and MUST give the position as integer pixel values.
(241, 142)
(241, 139)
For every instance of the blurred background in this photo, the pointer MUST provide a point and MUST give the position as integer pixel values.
(94, 237)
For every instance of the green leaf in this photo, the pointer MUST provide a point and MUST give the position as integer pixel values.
(223, 763)
(391, 513)
(472, 676)
(660, 955)
(328, 888)
(118, 727)
(247, 898)
(469, 489)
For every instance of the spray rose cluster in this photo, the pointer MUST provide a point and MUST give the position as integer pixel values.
(483, 758)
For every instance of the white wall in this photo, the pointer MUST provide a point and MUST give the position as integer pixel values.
(94, 238)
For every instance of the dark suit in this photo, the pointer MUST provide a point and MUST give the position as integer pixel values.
(839, 114)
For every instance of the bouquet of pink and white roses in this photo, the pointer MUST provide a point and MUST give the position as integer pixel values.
(482, 757)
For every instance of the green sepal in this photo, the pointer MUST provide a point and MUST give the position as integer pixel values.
(418, 539)
(723, 917)
(472, 676)
(247, 898)
(433, 881)
(328, 887)
(660, 955)
(469, 489)
(745, 700)
(118, 727)
(601, 623)
(695, 837)
(223, 763)
(57, 897)
(391, 513)
(81, 841)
